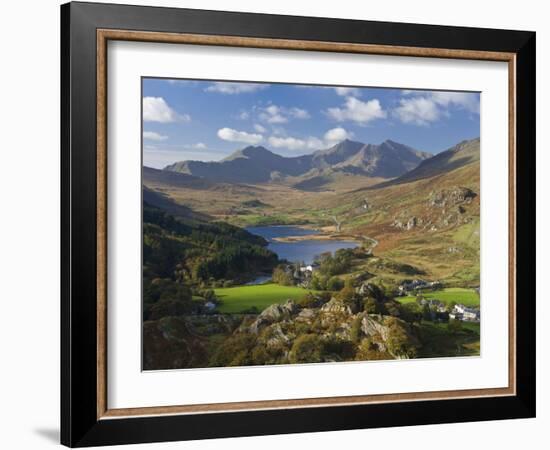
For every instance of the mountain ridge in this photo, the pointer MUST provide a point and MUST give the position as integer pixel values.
(251, 164)
(459, 155)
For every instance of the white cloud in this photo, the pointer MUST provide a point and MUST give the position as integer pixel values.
(358, 111)
(330, 138)
(346, 91)
(243, 115)
(422, 108)
(274, 114)
(466, 100)
(155, 109)
(336, 135)
(153, 136)
(199, 146)
(229, 88)
(231, 135)
(417, 110)
(291, 143)
(259, 128)
(299, 113)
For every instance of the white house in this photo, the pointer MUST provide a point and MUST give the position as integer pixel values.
(462, 312)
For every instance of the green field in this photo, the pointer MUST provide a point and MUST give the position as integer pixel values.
(241, 298)
(467, 297)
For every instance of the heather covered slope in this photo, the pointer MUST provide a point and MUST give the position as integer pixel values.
(431, 224)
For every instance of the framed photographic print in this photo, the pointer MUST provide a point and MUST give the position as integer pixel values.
(277, 224)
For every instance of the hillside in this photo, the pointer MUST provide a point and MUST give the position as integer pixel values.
(158, 177)
(259, 165)
(462, 154)
(159, 200)
(194, 249)
(430, 224)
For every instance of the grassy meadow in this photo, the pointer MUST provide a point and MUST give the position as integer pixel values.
(243, 298)
(468, 297)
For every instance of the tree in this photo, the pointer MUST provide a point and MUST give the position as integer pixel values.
(334, 284)
(318, 282)
(175, 298)
(411, 312)
(166, 308)
(426, 313)
(283, 276)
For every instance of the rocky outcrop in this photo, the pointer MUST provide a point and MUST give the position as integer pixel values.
(372, 326)
(275, 336)
(272, 314)
(370, 290)
(451, 197)
(390, 335)
(407, 224)
(443, 208)
(336, 306)
(306, 315)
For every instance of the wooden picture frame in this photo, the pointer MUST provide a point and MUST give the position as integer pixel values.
(86, 418)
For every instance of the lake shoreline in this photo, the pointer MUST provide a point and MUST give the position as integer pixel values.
(304, 244)
(319, 237)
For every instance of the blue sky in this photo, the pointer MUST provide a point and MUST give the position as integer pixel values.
(206, 121)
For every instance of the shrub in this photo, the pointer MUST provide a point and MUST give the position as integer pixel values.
(370, 305)
(369, 351)
(355, 331)
(235, 351)
(307, 348)
(308, 301)
(398, 341)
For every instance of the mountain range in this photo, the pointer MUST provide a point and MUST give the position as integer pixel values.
(259, 165)
(461, 154)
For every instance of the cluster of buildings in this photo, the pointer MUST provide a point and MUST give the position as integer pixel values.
(413, 285)
(301, 273)
(439, 311)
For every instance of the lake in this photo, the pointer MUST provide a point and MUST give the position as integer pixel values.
(297, 251)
